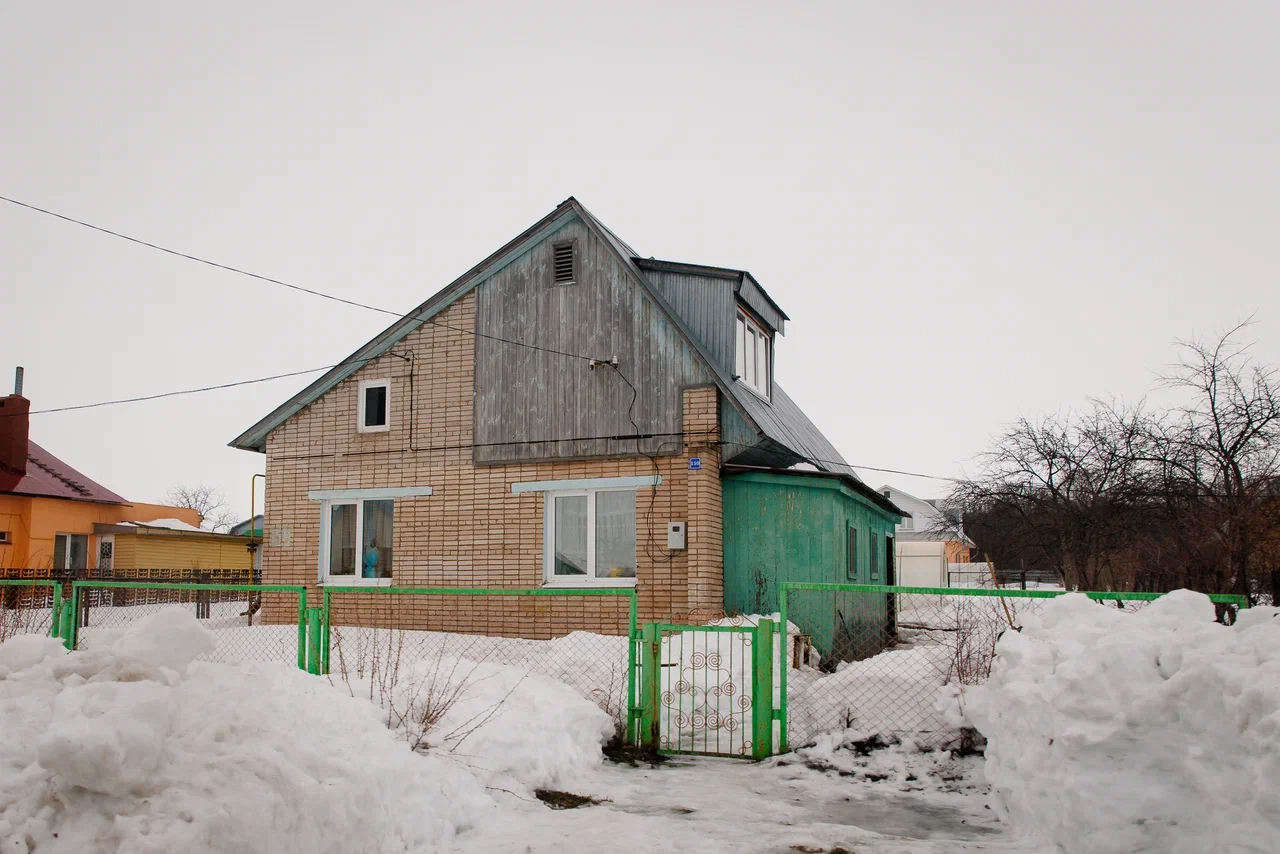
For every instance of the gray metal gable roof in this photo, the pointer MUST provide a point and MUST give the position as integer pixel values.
(783, 421)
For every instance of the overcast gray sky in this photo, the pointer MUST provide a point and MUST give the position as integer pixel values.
(971, 211)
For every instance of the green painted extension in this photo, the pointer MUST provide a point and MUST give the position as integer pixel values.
(801, 528)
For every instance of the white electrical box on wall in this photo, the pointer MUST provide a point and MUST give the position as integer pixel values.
(675, 535)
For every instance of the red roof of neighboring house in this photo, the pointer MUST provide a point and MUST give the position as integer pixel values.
(49, 477)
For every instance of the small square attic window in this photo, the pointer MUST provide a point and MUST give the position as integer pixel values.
(564, 262)
(375, 405)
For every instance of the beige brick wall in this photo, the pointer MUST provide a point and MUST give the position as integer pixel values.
(473, 531)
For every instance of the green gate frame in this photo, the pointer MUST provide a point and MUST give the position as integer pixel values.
(763, 713)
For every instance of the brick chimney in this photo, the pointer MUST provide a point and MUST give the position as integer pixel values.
(15, 424)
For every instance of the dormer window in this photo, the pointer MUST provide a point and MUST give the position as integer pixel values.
(753, 354)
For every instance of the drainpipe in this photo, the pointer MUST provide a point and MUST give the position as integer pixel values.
(253, 496)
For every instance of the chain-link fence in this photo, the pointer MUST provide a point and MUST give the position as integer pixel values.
(876, 659)
(27, 607)
(423, 645)
(262, 623)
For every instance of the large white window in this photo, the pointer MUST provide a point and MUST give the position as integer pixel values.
(753, 354)
(591, 537)
(375, 406)
(358, 541)
(357, 532)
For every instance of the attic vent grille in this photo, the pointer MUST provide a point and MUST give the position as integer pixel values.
(562, 263)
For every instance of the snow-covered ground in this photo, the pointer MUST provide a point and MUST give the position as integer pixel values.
(927, 804)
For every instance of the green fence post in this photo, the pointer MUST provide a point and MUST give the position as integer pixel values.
(313, 641)
(302, 629)
(55, 618)
(785, 658)
(762, 690)
(71, 618)
(324, 634)
(633, 708)
(650, 685)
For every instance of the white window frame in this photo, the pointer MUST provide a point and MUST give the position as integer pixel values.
(549, 577)
(330, 498)
(66, 552)
(365, 385)
(752, 354)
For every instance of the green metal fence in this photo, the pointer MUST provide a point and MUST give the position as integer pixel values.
(252, 622)
(874, 658)
(31, 607)
(387, 639)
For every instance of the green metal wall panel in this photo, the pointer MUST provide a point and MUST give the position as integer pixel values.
(795, 528)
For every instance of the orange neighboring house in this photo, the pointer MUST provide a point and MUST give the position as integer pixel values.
(52, 517)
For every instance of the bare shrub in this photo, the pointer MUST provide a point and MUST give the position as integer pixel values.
(17, 617)
(417, 691)
(972, 626)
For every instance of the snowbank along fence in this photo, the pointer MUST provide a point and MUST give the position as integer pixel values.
(233, 612)
(426, 641)
(878, 658)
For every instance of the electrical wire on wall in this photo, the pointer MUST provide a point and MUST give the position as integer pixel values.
(653, 460)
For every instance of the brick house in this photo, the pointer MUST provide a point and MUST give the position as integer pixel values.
(544, 420)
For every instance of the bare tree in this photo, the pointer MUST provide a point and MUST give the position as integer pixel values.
(1127, 498)
(1059, 489)
(1218, 456)
(209, 502)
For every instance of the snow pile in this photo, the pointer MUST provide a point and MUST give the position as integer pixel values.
(131, 746)
(512, 728)
(886, 694)
(1150, 731)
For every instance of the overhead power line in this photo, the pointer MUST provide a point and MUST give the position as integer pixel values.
(274, 281)
(885, 471)
(180, 392)
(355, 304)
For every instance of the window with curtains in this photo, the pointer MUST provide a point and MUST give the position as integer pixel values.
(70, 551)
(591, 537)
(753, 344)
(359, 541)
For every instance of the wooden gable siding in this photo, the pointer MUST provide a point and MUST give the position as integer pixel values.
(753, 296)
(705, 304)
(738, 436)
(523, 395)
